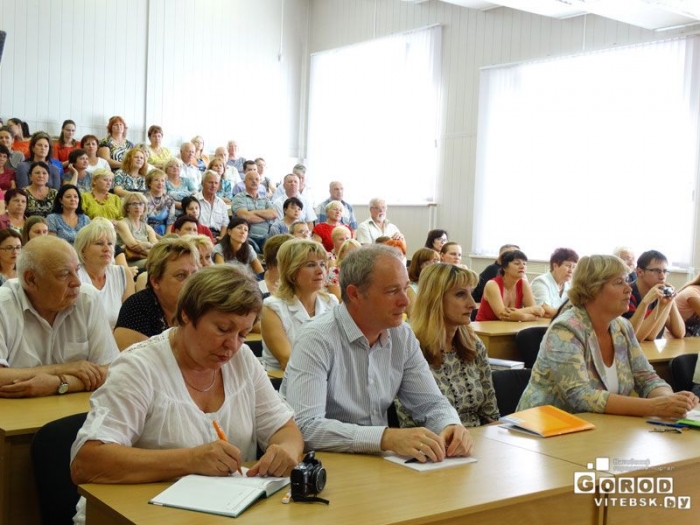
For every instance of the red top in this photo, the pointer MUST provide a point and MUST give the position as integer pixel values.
(324, 231)
(61, 152)
(485, 312)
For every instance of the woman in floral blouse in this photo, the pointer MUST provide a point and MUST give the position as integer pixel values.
(590, 359)
(440, 319)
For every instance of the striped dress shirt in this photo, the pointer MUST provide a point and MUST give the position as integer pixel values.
(340, 388)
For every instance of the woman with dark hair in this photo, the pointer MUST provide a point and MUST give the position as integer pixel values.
(40, 197)
(234, 249)
(191, 207)
(77, 170)
(90, 143)
(423, 258)
(550, 288)
(7, 173)
(20, 132)
(68, 216)
(65, 143)
(40, 151)
(7, 139)
(114, 146)
(436, 239)
(15, 206)
(457, 357)
(10, 248)
(158, 154)
(508, 297)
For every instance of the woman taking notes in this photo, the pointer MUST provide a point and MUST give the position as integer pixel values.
(440, 319)
(508, 297)
(193, 374)
(590, 360)
(300, 297)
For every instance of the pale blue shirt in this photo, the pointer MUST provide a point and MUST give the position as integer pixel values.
(340, 388)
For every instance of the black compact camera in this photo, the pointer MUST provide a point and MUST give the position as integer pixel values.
(667, 291)
(308, 478)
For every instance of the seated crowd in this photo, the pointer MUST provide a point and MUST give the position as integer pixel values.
(332, 299)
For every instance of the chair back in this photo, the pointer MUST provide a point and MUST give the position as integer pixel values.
(682, 370)
(527, 341)
(509, 386)
(50, 453)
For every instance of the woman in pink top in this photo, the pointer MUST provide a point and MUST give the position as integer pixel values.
(508, 297)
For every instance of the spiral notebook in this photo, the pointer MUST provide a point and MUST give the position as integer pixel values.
(225, 496)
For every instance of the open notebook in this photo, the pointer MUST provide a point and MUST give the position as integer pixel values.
(545, 421)
(227, 496)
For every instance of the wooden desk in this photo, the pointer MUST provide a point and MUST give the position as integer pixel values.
(499, 336)
(659, 352)
(253, 337)
(370, 490)
(19, 420)
(624, 438)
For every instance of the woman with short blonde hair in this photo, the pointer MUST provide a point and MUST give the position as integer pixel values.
(299, 298)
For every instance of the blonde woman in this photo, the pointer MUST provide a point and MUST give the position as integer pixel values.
(457, 357)
(94, 245)
(322, 232)
(134, 234)
(132, 176)
(333, 281)
(200, 160)
(300, 297)
(99, 202)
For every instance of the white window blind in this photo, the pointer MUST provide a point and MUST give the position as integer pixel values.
(373, 117)
(591, 152)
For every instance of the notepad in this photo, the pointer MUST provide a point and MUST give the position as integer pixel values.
(691, 419)
(505, 364)
(226, 496)
(546, 421)
(428, 465)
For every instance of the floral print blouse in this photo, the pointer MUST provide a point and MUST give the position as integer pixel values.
(570, 374)
(467, 386)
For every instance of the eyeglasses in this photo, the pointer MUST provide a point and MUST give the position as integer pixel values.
(136, 204)
(11, 249)
(658, 271)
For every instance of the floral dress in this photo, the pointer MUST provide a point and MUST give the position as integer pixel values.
(116, 151)
(41, 207)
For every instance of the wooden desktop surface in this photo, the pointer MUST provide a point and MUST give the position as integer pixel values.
(659, 352)
(663, 454)
(506, 483)
(19, 421)
(499, 336)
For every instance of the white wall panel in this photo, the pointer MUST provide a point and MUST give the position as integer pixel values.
(471, 40)
(220, 68)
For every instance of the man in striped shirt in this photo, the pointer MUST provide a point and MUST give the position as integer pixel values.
(348, 365)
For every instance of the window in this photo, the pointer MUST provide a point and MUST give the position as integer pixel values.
(590, 152)
(373, 118)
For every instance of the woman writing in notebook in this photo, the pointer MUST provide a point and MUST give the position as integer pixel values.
(440, 319)
(152, 419)
(590, 359)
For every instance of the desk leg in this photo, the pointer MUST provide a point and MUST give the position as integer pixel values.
(18, 501)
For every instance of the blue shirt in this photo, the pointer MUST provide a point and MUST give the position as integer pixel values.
(341, 388)
(63, 230)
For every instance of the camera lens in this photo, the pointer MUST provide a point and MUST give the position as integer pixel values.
(320, 481)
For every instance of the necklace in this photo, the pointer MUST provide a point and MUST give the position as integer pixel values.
(213, 380)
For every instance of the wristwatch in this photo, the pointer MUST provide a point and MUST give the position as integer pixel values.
(63, 387)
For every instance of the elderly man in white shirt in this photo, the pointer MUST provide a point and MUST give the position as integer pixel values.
(54, 333)
(377, 225)
(188, 171)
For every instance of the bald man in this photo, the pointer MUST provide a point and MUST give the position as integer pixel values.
(54, 333)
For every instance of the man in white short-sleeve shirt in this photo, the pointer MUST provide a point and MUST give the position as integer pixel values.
(54, 333)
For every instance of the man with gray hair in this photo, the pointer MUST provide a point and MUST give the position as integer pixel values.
(377, 225)
(189, 170)
(347, 367)
(54, 333)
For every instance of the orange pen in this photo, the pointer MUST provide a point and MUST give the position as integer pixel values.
(222, 437)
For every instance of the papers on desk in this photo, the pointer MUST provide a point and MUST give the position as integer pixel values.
(691, 419)
(227, 496)
(505, 364)
(428, 465)
(545, 421)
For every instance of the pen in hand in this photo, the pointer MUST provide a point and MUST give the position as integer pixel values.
(222, 437)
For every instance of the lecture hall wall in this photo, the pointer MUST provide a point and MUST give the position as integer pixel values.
(194, 66)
